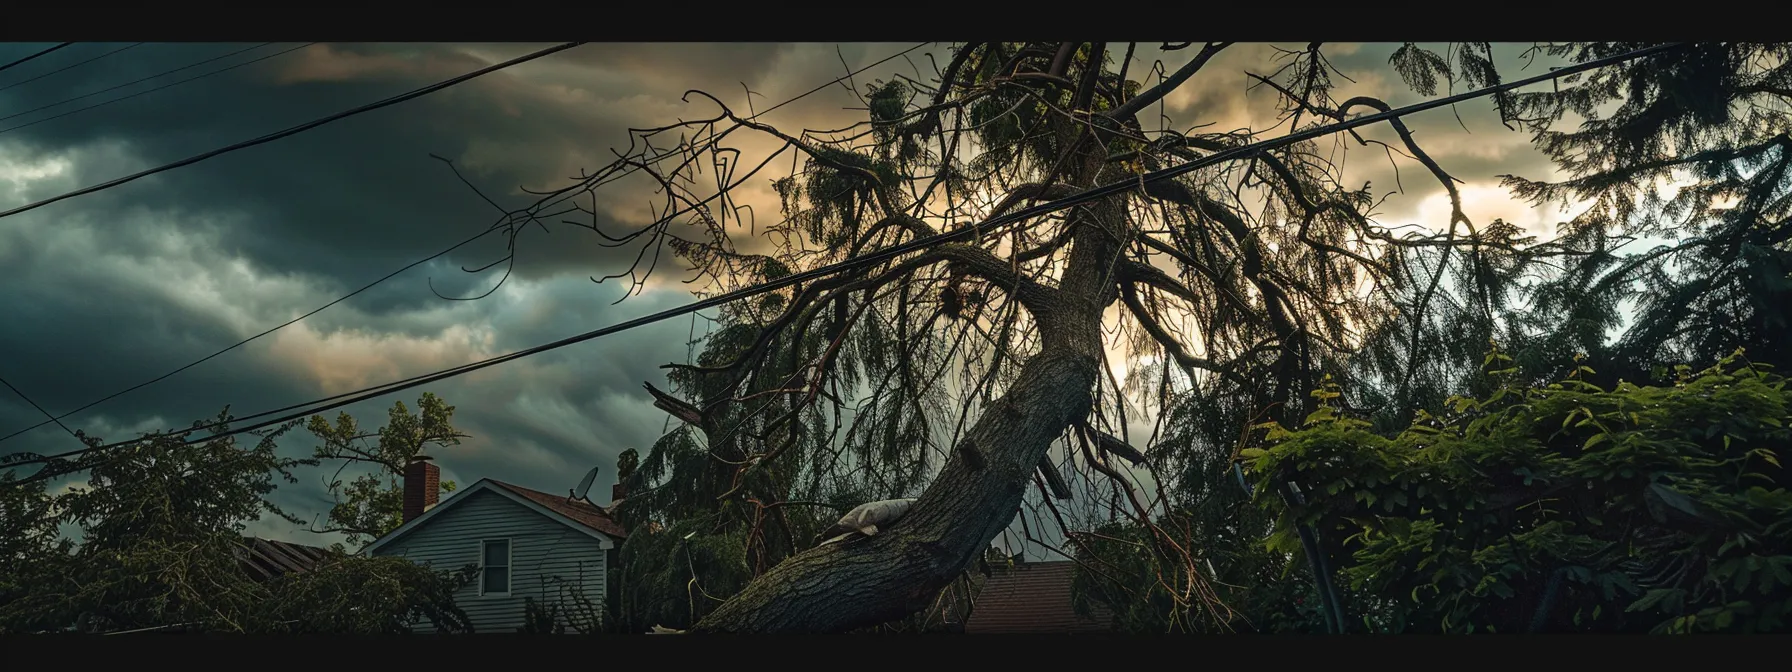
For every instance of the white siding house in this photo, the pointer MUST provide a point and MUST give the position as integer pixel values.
(527, 544)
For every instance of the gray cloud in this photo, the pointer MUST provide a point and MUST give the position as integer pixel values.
(114, 288)
(117, 287)
(1468, 140)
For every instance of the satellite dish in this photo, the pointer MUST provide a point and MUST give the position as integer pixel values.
(585, 484)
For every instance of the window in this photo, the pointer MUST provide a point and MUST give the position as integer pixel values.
(494, 566)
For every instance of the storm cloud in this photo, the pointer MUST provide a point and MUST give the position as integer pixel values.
(117, 287)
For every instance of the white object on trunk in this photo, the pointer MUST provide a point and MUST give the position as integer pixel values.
(865, 519)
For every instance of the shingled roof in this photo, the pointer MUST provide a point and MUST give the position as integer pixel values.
(265, 558)
(1032, 598)
(580, 512)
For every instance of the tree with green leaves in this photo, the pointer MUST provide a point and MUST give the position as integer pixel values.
(1567, 507)
(32, 554)
(161, 546)
(1686, 152)
(1692, 150)
(373, 503)
(160, 525)
(367, 595)
(951, 373)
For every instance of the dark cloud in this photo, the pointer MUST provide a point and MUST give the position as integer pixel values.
(117, 287)
(1467, 140)
(362, 193)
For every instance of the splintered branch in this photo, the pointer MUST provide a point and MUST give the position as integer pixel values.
(1055, 480)
(1112, 445)
(678, 408)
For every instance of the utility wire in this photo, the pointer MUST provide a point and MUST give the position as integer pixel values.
(625, 173)
(1095, 193)
(71, 67)
(40, 409)
(418, 93)
(58, 418)
(169, 85)
(879, 256)
(839, 79)
(137, 81)
(21, 61)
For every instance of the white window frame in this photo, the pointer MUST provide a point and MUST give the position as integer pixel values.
(509, 567)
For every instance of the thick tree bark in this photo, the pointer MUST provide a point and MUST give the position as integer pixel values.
(888, 576)
(882, 578)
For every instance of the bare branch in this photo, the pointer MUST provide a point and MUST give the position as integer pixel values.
(1153, 94)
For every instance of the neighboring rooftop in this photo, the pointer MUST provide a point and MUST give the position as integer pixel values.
(265, 558)
(579, 511)
(1033, 598)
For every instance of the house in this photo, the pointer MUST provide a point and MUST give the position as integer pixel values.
(1032, 598)
(264, 559)
(528, 546)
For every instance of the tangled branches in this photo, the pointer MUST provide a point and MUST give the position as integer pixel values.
(954, 371)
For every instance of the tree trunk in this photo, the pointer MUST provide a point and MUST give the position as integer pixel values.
(875, 580)
(878, 579)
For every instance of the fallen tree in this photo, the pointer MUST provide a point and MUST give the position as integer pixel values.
(950, 372)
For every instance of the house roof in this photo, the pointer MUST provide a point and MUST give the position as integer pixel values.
(581, 516)
(267, 558)
(1032, 597)
(582, 512)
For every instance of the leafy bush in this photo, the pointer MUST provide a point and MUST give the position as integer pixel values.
(351, 595)
(1569, 507)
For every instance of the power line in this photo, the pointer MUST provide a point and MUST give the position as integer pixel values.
(417, 93)
(71, 67)
(9, 66)
(40, 409)
(625, 173)
(879, 256)
(891, 252)
(104, 103)
(58, 418)
(837, 80)
(133, 82)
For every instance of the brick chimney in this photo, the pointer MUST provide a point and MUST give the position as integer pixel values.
(422, 486)
(617, 492)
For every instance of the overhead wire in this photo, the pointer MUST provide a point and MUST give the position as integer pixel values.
(394, 100)
(156, 88)
(58, 418)
(116, 87)
(71, 67)
(40, 409)
(148, 91)
(28, 59)
(878, 256)
(622, 174)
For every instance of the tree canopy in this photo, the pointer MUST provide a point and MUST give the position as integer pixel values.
(1563, 508)
(1612, 465)
(373, 503)
(161, 545)
(1227, 294)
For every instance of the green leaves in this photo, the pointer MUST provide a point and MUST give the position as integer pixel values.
(1645, 496)
(372, 503)
(161, 545)
(354, 595)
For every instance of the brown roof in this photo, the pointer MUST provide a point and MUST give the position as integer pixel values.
(266, 558)
(581, 512)
(1033, 598)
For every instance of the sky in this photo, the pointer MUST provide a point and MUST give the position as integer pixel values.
(113, 288)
